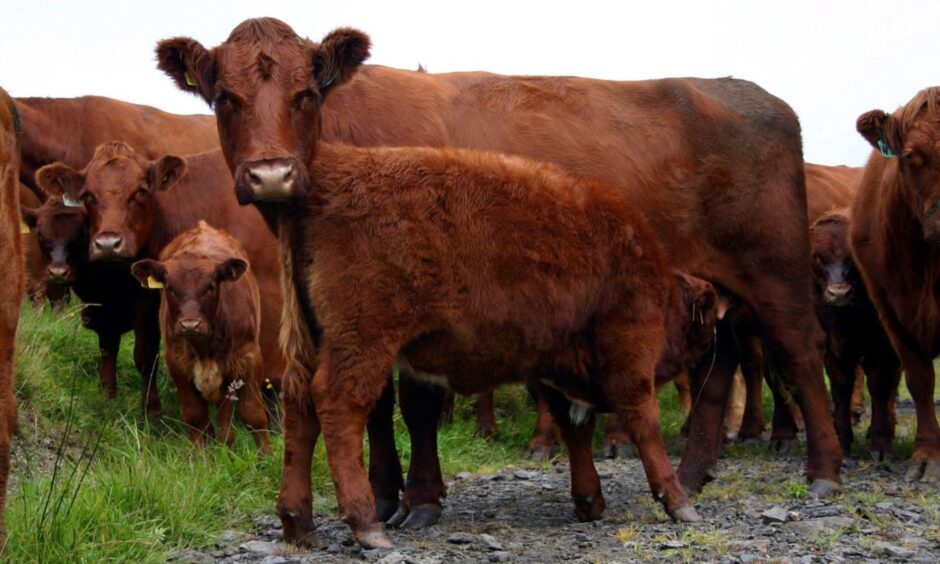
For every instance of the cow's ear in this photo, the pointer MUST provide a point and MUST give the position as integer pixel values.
(882, 130)
(150, 273)
(30, 216)
(231, 270)
(189, 64)
(60, 180)
(166, 172)
(336, 59)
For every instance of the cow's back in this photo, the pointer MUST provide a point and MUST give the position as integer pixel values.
(830, 188)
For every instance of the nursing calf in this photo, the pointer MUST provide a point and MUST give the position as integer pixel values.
(210, 319)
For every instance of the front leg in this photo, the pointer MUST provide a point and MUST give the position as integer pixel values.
(384, 466)
(109, 343)
(301, 430)
(920, 378)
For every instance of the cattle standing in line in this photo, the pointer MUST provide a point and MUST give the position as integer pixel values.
(471, 268)
(895, 235)
(854, 335)
(210, 319)
(69, 130)
(11, 286)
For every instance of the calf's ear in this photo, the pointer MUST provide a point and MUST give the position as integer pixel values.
(150, 273)
(60, 180)
(231, 270)
(29, 216)
(336, 59)
(882, 131)
(166, 172)
(189, 64)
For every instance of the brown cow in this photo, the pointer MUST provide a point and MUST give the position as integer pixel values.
(895, 234)
(11, 286)
(210, 319)
(473, 267)
(69, 129)
(701, 158)
(854, 335)
(39, 286)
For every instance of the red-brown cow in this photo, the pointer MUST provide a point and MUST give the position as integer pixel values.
(69, 129)
(854, 335)
(210, 319)
(11, 286)
(473, 267)
(895, 234)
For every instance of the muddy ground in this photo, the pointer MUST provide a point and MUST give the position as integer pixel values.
(756, 511)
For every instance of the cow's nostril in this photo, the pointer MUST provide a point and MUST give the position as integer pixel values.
(254, 178)
(289, 175)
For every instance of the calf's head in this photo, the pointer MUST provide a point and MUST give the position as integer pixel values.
(62, 233)
(912, 136)
(702, 307)
(116, 191)
(266, 85)
(191, 285)
(835, 277)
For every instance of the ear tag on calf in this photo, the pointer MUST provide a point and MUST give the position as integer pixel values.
(24, 229)
(70, 202)
(886, 151)
(190, 79)
(153, 283)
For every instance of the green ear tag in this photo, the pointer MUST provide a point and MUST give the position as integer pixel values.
(886, 151)
(190, 79)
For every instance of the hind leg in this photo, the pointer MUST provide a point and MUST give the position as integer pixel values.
(544, 439)
(752, 368)
(883, 374)
(384, 466)
(486, 416)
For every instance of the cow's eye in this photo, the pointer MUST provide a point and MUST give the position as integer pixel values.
(140, 196)
(227, 100)
(913, 158)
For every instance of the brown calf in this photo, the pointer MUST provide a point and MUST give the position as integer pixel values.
(11, 286)
(470, 269)
(210, 318)
(895, 235)
(854, 335)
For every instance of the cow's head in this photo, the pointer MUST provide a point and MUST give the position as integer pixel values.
(192, 282)
(62, 234)
(116, 191)
(912, 136)
(702, 307)
(266, 85)
(835, 277)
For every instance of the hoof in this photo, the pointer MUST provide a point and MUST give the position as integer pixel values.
(785, 446)
(931, 473)
(686, 514)
(421, 516)
(385, 508)
(540, 454)
(299, 530)
(589, 508)
(693, 484)
(915, 471)
(879, 455)
(373, 539)
(822, 489)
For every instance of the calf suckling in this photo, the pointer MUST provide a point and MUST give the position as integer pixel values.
(210, 319)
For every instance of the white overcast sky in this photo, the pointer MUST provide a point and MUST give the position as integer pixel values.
(831, 60)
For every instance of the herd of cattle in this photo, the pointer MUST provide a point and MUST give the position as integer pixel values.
(592, 239)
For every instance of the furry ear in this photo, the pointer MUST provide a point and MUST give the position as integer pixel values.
(881, 130)
(30, 216)
(150, 273)
(60, 180)
(189, 64)
(338, 56)
(166, 172)
(231, 270)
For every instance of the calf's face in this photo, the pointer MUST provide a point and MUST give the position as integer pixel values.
(63, 238)
(191, 290)
(701, 302)
(266, 85)
(835, 276)
(116, 191)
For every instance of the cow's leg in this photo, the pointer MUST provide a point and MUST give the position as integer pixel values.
(486, 416)
(146, 358)
(345, 391)
(109, 343)
(752, 368)
(841, 383)
(589, 502)
(684, 391)
(424, 488)
(301, 430)
(883, 373)
(920, 378)
(617, 442)
(544, 439)
(711, 381)
(858, 396)
(447, 410)
(384, 466)
(783, 429)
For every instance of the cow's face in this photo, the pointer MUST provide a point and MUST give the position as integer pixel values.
(702, 303)
(116, 191)
(266, 85)
(62, 234)
(912, 136)
(191, 289)
(835, 277)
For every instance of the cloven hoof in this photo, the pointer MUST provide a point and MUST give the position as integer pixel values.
(686, 514)
(416, 517)
(374, 539)
(785, 446)
(923, 471)
(539, 454)
(385, 509)
(824, 488)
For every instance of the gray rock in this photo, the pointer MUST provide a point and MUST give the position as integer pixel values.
(464, 476)
(461, 538)
(260, 547)
(775, 514)
(523, 474)
(229, 535)
(884, 505)
(894, 550)
(501, 556)
(673, 544)
(490, 542)
(821, 525)
(334, 548)
(279, 560)
(395, 558)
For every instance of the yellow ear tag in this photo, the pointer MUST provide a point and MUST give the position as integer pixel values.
(190, 79)
(24, 229)
(153, 283)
